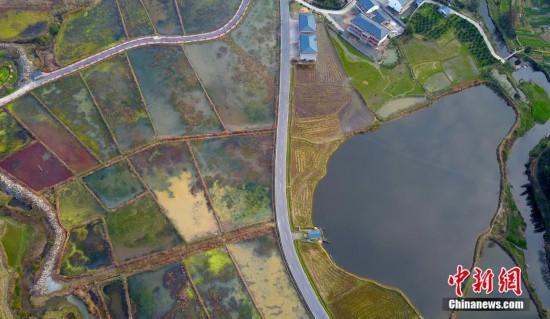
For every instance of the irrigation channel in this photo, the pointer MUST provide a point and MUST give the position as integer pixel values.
(404, 205)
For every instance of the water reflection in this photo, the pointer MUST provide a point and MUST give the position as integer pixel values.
(404, 205)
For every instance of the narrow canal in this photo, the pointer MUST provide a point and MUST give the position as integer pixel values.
(405, 204)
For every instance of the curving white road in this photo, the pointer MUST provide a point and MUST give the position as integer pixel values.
(128, 45)
(476, 24)
(281, 148)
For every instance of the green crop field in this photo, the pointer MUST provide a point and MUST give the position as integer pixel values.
(220, 285)
(201, 16)
(135, 18)
(376, 84)
(15, 239)
(12, 136)
(23, 24)
(77, 205)
(139, 228)
(89, 31)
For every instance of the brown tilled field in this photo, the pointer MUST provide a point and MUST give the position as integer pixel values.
(323, 100)
(326, 109)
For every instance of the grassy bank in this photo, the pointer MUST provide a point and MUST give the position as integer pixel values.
(348, 296)
(540, 103)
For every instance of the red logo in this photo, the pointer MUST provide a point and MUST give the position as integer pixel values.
(508, 280)
(483, 281)
(458, 278)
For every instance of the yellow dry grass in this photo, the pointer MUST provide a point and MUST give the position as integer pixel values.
(318, 129)
(347, 296)
(188, 212)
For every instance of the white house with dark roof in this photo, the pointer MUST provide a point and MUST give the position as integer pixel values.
(366, 6)
(368, 30)
(399, 5)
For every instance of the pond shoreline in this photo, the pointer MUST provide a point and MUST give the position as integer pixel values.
(502, 150)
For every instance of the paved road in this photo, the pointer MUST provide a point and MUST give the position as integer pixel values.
(131, 44)
(327, 13)
(281, 148)
(477, 25)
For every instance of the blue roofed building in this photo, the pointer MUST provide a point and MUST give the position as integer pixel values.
(306, 23)
(366, 6)
(444, 10)
(380, 17)
(314, 235)
(399, 5)
(308, 47)
(368, 30)
(308, 37)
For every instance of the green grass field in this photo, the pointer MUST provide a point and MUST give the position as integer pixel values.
(14, 239)
(376, 84)
(22, 24)
(540, 103)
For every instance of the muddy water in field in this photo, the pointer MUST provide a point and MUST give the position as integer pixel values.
(405, 204)
(188, 211)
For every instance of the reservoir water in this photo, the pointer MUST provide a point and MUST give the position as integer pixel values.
(405, 204)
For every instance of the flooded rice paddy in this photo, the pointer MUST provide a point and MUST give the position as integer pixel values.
(416, 192)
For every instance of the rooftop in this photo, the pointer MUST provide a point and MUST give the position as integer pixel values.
(380, 16)
(314, 234)
(308, 43)
(370, 26)
(307, 22)
(367, 4)
(445, 10)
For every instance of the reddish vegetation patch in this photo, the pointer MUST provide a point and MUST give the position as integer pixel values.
(66, 147)
(36, 167)
(54, 135)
